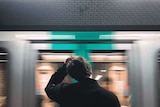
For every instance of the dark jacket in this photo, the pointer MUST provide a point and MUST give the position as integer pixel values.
(85, 93)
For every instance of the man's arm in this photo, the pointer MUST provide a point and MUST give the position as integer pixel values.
(54, 85)
(58, 76)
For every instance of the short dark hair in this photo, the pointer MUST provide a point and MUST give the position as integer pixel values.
(79, 68)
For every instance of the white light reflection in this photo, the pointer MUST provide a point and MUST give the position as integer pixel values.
(98, 77)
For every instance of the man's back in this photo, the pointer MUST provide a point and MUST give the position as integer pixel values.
(86, 93)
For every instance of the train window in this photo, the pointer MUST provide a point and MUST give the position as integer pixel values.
(3, 77)
(47, 64)
(110, 70)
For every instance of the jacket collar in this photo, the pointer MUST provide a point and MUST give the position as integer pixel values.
(88, 80)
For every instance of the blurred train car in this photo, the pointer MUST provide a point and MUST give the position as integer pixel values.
(122, 62)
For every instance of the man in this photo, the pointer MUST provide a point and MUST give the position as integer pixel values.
(85, 93)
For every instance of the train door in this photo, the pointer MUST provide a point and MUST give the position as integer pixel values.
(145, 74)
(12, 67)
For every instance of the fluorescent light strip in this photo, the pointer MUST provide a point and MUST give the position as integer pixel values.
(41, 46)
(34, 37)
(44, 37)
(129, 36)
(55, 57)
(50, 61)
(63, 36)
(56, 54)
(107, 54)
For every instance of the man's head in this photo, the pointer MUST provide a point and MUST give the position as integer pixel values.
(78, 68)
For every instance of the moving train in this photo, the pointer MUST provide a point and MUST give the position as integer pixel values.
(126, 63)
